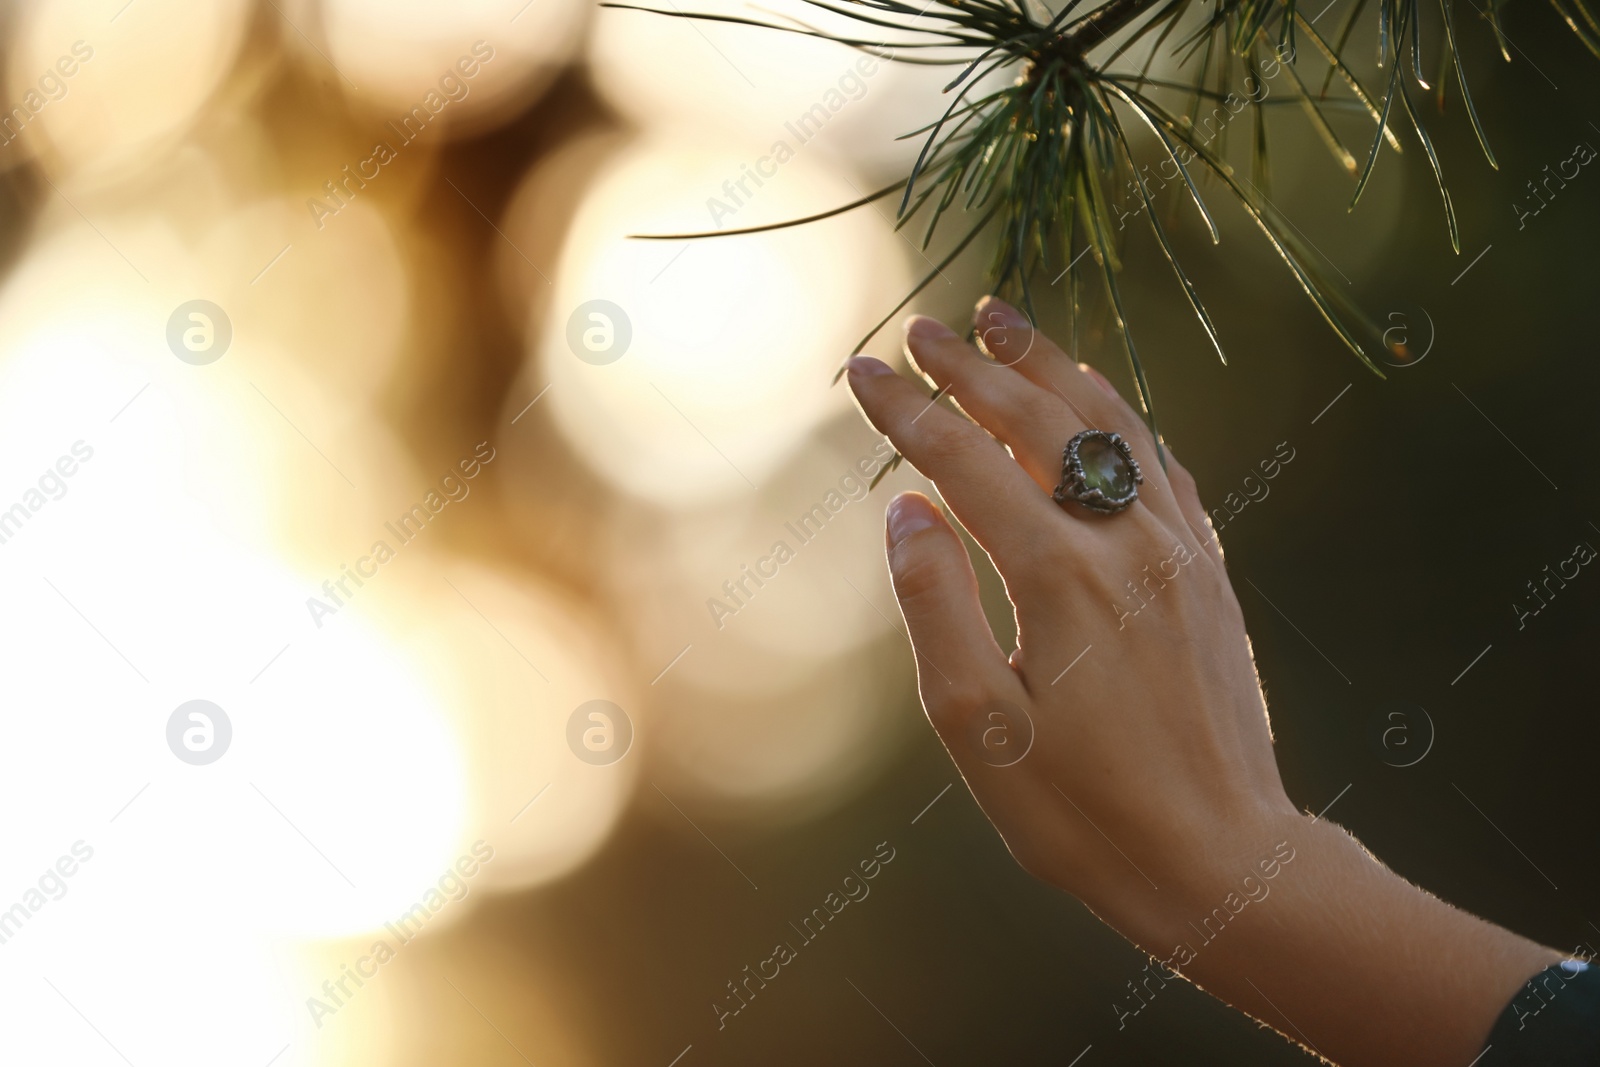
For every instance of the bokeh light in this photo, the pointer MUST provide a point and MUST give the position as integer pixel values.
(106, 88)
(728, 355)
(475, 62)
(759, 87)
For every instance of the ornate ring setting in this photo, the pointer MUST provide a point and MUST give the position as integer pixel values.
(1098, 471)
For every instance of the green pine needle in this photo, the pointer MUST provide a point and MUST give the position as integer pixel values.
(1037, 161)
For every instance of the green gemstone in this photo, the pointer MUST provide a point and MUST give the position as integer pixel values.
(1105, 468)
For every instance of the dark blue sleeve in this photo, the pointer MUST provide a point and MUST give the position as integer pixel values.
(1554, 1021)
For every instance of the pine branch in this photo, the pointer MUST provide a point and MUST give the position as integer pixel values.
(1030, 161)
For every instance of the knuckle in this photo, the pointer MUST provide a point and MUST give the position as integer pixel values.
(1150, 536)
(950, 441)
(943, 447)
(921, 574)
(1038, 565)
(954, 706)
(1092, 569)
(1185, 489)
(1133, 428)
(961, 697)
(1105, 582)
(1180, 477)
(1039, 408)
(1050, 560)
(1206, 533)
(1045, 578)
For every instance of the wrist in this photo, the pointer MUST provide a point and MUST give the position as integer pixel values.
(1335, 950)
(1218, 880)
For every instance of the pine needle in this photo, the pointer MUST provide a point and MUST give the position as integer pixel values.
(1031, 140)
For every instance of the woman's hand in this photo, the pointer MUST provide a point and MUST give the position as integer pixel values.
(1123, 750)
(1151, 759)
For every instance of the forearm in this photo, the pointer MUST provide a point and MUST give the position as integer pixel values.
(1149, 788)
(1336, 951)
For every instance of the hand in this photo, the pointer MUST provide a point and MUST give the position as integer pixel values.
(1151, 773)
(1123, 749)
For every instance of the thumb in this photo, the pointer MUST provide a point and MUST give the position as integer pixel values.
(959, 665)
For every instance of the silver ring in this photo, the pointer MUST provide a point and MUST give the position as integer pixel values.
(1098, 471)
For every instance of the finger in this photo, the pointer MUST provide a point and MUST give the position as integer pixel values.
(1033, 423)
(1012, 340)
(1086, 393)
(1187, 495)
(992, 496)
(959, 665)
(1007, 335)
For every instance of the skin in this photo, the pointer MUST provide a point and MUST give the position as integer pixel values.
(1150, 790)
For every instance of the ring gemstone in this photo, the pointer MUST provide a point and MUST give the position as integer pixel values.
(1099, 472)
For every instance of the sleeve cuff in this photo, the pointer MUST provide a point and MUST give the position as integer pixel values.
(1553, 1021)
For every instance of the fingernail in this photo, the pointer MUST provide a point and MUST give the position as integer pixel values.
(1100, 379)
(992, 311)
(867, 367)
(925, 328)
(909, 513)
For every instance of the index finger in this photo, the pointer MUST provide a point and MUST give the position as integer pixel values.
(993, 497)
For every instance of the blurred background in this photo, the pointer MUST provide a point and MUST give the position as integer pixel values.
(400, 666)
